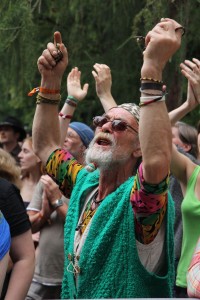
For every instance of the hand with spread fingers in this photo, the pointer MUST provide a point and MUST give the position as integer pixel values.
(191, 70)
(53, 62)
(74, 85)
(161, 43)
(103, 80)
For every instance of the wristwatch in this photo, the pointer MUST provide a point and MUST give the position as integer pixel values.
(57, 203)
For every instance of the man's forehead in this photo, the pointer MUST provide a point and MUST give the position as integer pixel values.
(120, 113)
(72, 132)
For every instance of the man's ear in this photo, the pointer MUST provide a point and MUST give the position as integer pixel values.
(83, 148)
(137, 152)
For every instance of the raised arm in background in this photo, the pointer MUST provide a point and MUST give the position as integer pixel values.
(193, 90)
(75, 94)
(181, 166)
(103, 80)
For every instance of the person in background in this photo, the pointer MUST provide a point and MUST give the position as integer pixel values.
(22, 253)
(48, 207)
(184, 136)
(188, 174)
(4, 249)
(9, 169)
(111, 209)
(31, 170)
(78, 137)
(11, 133)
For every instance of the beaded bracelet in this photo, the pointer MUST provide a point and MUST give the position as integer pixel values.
(65, 116)
(70, 102)
(151, 79)
(43, 90)
(72, 98)
(40, 99)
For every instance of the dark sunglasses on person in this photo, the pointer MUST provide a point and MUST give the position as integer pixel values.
(117, 125)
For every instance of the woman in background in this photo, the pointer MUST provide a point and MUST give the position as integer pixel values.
(31, 170)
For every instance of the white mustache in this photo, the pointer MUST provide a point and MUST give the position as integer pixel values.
(103, 135)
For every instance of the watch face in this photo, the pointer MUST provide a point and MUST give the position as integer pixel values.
(57, 203)
(60, 202)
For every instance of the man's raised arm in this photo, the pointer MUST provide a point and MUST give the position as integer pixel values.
(154, 128)
(51, 64)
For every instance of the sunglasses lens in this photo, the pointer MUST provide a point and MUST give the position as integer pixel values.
(119, 125)
(99, 121)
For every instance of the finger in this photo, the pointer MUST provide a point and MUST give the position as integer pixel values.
(85, 87)
(197, 62)
(43, 62)
(46, 53)
(152, 34)
(57, 38)
(186, 68)
(189, 76)
(63, 49)
(175, 24)
(97, 67)
(189, 64)
(105, 66)
(94, 75)
(69, 77)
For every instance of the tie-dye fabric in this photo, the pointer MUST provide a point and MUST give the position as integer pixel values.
(193, 275)
(148, 201)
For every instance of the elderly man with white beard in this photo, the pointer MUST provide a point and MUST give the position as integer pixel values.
(119, 226)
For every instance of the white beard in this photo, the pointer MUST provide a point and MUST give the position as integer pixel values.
(104, 159)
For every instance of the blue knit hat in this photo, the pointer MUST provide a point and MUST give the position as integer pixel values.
(84, 131)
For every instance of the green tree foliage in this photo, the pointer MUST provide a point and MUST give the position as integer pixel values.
(93, 31)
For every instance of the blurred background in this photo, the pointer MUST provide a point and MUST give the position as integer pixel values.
(102, 31)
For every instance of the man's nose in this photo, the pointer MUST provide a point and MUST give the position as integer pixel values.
(107, 127)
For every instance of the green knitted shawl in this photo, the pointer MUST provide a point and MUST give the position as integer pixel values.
(109, 263)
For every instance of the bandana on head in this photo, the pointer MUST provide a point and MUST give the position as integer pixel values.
(132, 108)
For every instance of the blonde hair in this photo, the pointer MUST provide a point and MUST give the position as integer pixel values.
(9, 169)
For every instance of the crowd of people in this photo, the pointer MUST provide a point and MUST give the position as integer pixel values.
(104, 212)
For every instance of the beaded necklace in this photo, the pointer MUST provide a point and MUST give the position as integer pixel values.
(88, 213)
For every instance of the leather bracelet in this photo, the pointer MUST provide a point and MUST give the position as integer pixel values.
(40, 99)
(151, 86)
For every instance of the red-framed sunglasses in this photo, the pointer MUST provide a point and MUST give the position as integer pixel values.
(117, 125)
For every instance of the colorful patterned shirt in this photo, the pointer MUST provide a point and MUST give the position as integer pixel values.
(193, 275)
(149, 201)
